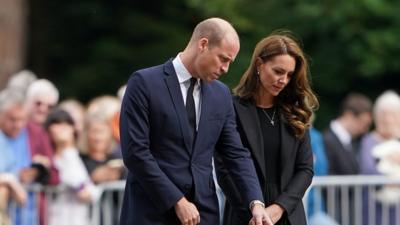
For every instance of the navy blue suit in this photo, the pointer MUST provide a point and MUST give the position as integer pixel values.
(164, 165)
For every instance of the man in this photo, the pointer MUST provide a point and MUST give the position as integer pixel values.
(32, 153)
(341, 138)
(173, 117)
(341, 144)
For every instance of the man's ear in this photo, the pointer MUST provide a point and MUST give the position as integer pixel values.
(203, 44)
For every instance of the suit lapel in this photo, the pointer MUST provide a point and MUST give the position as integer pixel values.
(171, 80)
(247, 114)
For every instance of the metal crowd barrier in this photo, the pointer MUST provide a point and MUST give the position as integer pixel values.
(349, 200)
(355, 200)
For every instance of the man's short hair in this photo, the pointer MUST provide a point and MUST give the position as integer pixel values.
(10, 97)
(356, 103)
(214, 29)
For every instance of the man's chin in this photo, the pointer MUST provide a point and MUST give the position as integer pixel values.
(214, 77)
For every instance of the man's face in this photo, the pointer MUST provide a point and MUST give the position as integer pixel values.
(213, 62)
(361, 123)
(13, 120)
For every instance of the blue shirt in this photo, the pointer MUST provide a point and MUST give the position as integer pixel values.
(7, 161)
(315, 202)
(20, 152)
(318, 149)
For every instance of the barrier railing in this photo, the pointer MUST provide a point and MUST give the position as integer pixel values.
(349, 200)
(356, 200)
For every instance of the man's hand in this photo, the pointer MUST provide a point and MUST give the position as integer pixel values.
(28, 175)
(105, 173)
(187, 212)
(275, 211)
(260, 216)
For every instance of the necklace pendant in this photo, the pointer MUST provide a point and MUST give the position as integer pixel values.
(272, 123)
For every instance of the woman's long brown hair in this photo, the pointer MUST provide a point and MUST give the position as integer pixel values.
(296, 102)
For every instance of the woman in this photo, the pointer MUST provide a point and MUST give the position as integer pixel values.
(71, 205)
(274, 103)
(379, 142)
(101, 165)
(386, 114)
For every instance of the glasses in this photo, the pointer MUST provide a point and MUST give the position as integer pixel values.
(47, 105)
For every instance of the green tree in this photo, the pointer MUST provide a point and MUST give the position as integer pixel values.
(352, 44)
(90, 47)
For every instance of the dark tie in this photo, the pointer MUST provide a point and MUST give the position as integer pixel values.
(190, 107)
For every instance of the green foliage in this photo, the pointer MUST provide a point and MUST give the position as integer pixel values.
(90, 47)
(352, 44)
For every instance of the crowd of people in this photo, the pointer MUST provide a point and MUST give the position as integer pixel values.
(49, 142)
(75, 146)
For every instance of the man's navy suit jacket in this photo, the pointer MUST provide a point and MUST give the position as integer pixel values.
(164, 165)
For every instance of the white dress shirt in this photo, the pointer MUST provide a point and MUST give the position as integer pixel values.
(184, 82)
(343, 135)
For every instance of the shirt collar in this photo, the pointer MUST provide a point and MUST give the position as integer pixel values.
(343, 135)
(180, 69)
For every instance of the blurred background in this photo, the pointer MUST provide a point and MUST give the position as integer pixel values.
(90, 47)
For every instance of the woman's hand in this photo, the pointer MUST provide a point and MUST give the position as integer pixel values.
(275, 211)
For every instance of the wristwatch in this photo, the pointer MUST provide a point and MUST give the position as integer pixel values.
(254, 202)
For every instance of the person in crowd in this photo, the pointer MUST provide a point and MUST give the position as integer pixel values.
(316, 210)
(78, 113)
(69, 206)
(10, 187)
(41, 97)
(107, 107)
(21, 81)
(101, 164)
(341, 137)
(315, 201)
(31, 151)
(174, 117)
(274, 103)
(341, 141)
(386, 114)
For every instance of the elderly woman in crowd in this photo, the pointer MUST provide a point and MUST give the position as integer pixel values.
(101, 164)
(386, 114)
(41, 97)
(377, 155)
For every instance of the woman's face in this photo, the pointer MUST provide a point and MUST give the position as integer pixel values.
(40, 107)
(99, 136)
(275, 74)
(387, 123)
(61, 133)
